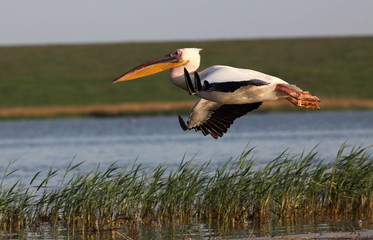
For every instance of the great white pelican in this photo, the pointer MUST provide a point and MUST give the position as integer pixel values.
(225, 92)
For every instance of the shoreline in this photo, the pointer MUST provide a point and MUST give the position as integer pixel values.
(359, 234)
(151, 107)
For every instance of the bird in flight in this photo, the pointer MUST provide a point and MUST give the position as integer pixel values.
(225, 93)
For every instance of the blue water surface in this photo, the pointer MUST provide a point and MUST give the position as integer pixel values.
(37, 145)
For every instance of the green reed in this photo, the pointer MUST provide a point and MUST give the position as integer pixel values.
(288, 188)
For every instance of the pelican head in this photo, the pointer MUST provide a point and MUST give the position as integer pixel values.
(176, 60)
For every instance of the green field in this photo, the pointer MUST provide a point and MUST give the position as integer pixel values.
(78, 75)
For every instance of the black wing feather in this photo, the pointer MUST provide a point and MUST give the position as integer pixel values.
(221, 118)
(232, 86)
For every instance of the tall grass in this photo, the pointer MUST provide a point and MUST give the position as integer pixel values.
(287, 188)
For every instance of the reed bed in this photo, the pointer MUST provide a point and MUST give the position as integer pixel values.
(290, 187)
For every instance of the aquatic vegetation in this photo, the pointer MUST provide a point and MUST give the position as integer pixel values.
(288, 188)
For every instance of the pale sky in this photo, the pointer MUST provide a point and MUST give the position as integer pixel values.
(94, 21)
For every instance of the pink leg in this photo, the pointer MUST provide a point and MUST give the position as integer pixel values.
(305, 104)
(300, 99)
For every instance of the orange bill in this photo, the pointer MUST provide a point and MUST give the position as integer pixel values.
(151, 67)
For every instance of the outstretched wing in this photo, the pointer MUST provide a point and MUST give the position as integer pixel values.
(215, 118)
(229, 86)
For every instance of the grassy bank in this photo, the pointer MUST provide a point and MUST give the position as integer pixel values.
(78, 75)
(288, 188)
(157, 108)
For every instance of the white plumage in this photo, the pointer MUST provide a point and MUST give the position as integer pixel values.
(226, 92)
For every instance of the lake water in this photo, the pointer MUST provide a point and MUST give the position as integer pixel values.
(301, 230)
(37, 145)
(40, 144)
